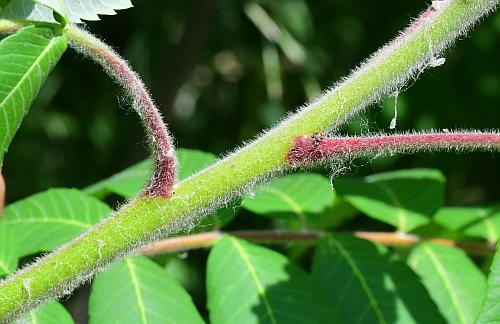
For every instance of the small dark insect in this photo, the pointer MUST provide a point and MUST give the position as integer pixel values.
(317, 138)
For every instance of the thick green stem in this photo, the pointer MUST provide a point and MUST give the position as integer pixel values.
(145, 218)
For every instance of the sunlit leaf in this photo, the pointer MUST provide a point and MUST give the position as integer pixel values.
(405, 199)
(247, 283)
(453, 281)
(8, 250)
(27, 10)
(137, 290)
(26, 58)
(295, 196)
(73, 10)
(48, 219)
(473, 221)
(129, 182)
(52, 312)
(490, 310)
(366, 284)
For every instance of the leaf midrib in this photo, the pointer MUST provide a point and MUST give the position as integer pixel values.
(4, 267)
(137, 290)
(289, 200)
(395, 200)
(253, 273)
(364, 285)
(447, 284)
(50, 220)
(48, 47)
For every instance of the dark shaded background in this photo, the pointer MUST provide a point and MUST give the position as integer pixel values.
(203, 62)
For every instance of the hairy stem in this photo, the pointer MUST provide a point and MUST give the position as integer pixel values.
(203, 240)
(163, 177)
(147, 217)
(309, 150)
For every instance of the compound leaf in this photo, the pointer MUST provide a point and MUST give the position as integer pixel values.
(405, 199)
(137, 290)
(26, 58)
(453, 281)
(366, 284)
(48, 219)
(247, 283)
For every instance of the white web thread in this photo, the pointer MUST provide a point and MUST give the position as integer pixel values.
(394, 119)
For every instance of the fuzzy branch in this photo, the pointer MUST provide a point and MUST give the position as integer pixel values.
(163, 177)
(147, 217)
(310, 150)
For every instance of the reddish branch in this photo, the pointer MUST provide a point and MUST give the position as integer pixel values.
(163, 177)
(314, 149)
(269, 236)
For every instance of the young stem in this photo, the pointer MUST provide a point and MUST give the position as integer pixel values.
(309, 150)
(204, 240)
(147, 217)
(163, 177)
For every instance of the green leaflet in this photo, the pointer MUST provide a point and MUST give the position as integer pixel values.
(405, 199)
(453, 281)
(490, 310)
(8, 250)
(294, 196)
(247, 283)
(481, 221)
(52, 312)
(366, 284)
(71, 10)
(129, 182)
(29, 10)
(137, 290)
(26, 58)
(48, 219)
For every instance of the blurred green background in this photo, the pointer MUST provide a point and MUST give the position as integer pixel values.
(222, 71)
